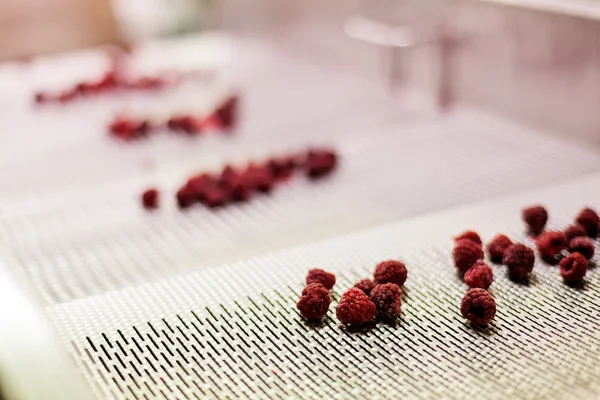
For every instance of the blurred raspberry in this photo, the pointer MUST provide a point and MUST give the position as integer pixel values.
(480, 275)
(227, 113)
(478, 306)
(366, 285)
(388, 300)
(469, 235)
(355, 308)
(535, 217)
(465, 254)
(214, 196)
(583, 246)
(573, 268)
(519, 259)
(282, 167)
(391, 271)
(497, 246)
(314, 302)
(319, 163)
(323, 277)
(259, 178)
(127, 129)
(150, 199)
(574, 231)
(550, 244)
(186, 197)
(589, 220)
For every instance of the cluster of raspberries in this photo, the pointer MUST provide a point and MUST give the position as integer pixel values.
(111, 80)
(241, 184)
(478, 305)
(223, 119)
(379, 298)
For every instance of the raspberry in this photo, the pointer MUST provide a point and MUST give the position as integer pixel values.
(535, 217)
(480, 275)
(573, 268)
(185, 197)
(282, 167)
(127, 129)
(227, 113)
(213, 196)
(366, 285)
(550, 244)
(465, 254)
(498, 246)
(391, 271)
(583, 246)
(314, 302)
(323, 277)
(355, 308)
(574, 231)
(319, 163)
(388, 300)
(519, 259)
(589, 220)
(150, 199)
(469, 235)
(259, 178)
(478, 306)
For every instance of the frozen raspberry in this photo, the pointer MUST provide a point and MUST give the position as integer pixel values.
(391, 271)
(480, 275)
(469, 235)
(589, 220)
(323, 277)
(583, 246)
(213, 196)
(573, 268)
(478, 306)
(519, 259)
(550, 244)
(388, 300)
(465, 254)
(319, 163)
(150, 199)
(366, 285)
(259, 178)
(185, 197)
(574, 231)
(227, 113)
(355, 308)
(535, 217)
(314, 302)
(498, 246)
(282, 167)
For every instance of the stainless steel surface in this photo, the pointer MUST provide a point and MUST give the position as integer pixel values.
(233, 331)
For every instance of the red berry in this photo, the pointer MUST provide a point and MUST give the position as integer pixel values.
(282, 167)
(589, 220)
(355, 308)
(227, 113)
(391, 271)
(323, 277)
(259, 178)
(574, 231)
(314, 302)
(469, 235)
(185, 197)
(573, 268)
(535, 217)
(388, 300)
(498, 246)
(519, 259)
(550, 244)
(150, 199)
(480, 275)
(213, 196)
(478, 306)
(366, 285)
(465, 254)
(583, 246)
(319, 163)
